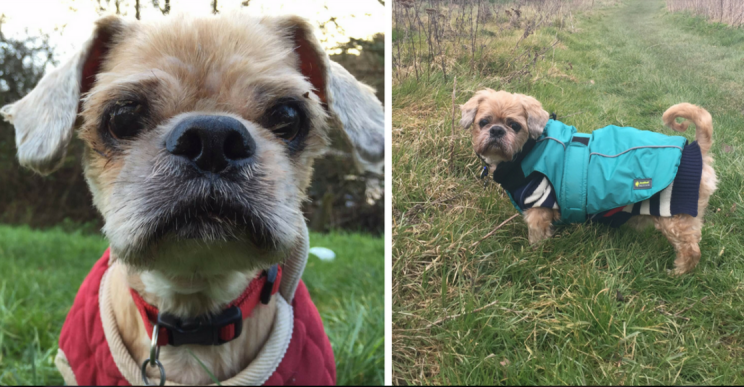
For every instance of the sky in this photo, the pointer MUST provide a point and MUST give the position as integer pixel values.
(70, 22)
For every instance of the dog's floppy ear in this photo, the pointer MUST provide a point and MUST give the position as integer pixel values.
(470, 108)
(352, 105)
(537, 118)
(468, 111)
(360, 114)
(45, 118)
(312, 60)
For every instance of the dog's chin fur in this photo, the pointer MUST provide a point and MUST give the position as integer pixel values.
(194, 258)
(191, 279)
(682, 231)
(495, 152)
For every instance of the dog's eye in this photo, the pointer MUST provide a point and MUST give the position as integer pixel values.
(125, 120)
(483, 122)
(515, 126)
(285, 120)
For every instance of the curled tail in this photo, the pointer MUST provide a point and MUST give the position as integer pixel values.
(699, 116)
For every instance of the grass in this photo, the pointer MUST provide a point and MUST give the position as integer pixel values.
(593, 305)
(40, 272)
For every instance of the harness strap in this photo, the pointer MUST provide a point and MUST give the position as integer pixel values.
(573, 189)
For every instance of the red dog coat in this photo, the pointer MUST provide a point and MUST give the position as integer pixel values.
(307, 361)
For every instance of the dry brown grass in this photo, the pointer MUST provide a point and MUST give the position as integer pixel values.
(730, 12)
(450, 37)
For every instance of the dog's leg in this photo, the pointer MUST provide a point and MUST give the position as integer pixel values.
(684, 232)
(540, 223)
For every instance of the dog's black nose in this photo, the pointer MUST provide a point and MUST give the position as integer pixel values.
(497, 131)
(211, 142)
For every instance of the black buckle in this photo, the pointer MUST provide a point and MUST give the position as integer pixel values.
(269, 285)
(583, 140)
(203, 330)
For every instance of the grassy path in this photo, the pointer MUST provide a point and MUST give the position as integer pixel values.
(593, 305)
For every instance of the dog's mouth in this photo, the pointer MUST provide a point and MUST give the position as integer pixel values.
(493, 145)
(496, 147)
(213, 221)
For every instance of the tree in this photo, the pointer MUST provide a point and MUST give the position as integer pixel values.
(165, 10)
(22, 64)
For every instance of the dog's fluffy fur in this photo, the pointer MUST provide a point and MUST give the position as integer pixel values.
(488, 109)
(235, 66)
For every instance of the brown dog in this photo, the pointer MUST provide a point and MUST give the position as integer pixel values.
(200, 137)
(502, 123)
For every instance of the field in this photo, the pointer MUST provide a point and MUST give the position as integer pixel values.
(40, 272)
(593, 305)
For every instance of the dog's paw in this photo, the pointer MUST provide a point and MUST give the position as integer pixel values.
(534, 245)
(676, 272)
(537, 237)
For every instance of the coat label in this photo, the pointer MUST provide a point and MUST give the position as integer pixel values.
(642, 183)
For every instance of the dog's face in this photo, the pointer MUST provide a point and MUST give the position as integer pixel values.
(502, 123)
(200, 136)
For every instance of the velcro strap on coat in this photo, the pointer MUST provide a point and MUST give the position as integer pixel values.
(573, 189)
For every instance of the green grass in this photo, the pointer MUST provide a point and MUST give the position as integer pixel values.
(593, 305)
(40, 272)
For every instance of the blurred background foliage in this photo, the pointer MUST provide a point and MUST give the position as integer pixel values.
(337, 194)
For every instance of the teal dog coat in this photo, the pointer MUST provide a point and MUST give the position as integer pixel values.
(608, 175)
